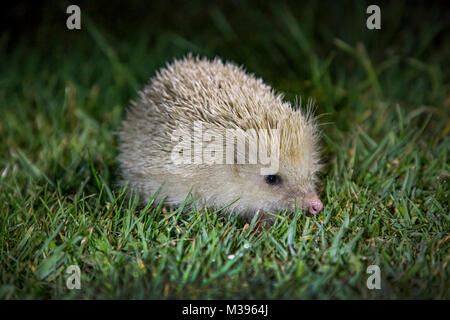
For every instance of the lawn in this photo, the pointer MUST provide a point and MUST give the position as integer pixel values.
(384, 105)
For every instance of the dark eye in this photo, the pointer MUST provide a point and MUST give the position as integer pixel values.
(273, 179)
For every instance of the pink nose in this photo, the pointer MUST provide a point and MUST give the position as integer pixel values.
(315, 205)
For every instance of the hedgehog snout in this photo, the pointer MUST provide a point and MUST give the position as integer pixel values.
(313, 203)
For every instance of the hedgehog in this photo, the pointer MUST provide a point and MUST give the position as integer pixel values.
(202, 127)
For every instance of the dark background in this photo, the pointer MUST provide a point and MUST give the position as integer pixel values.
(243, 31)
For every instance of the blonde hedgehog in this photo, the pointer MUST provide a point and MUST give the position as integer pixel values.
(184, 137)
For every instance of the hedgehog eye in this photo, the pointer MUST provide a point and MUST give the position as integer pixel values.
(273, 179)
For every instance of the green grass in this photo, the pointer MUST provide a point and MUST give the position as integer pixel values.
(384, 96)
